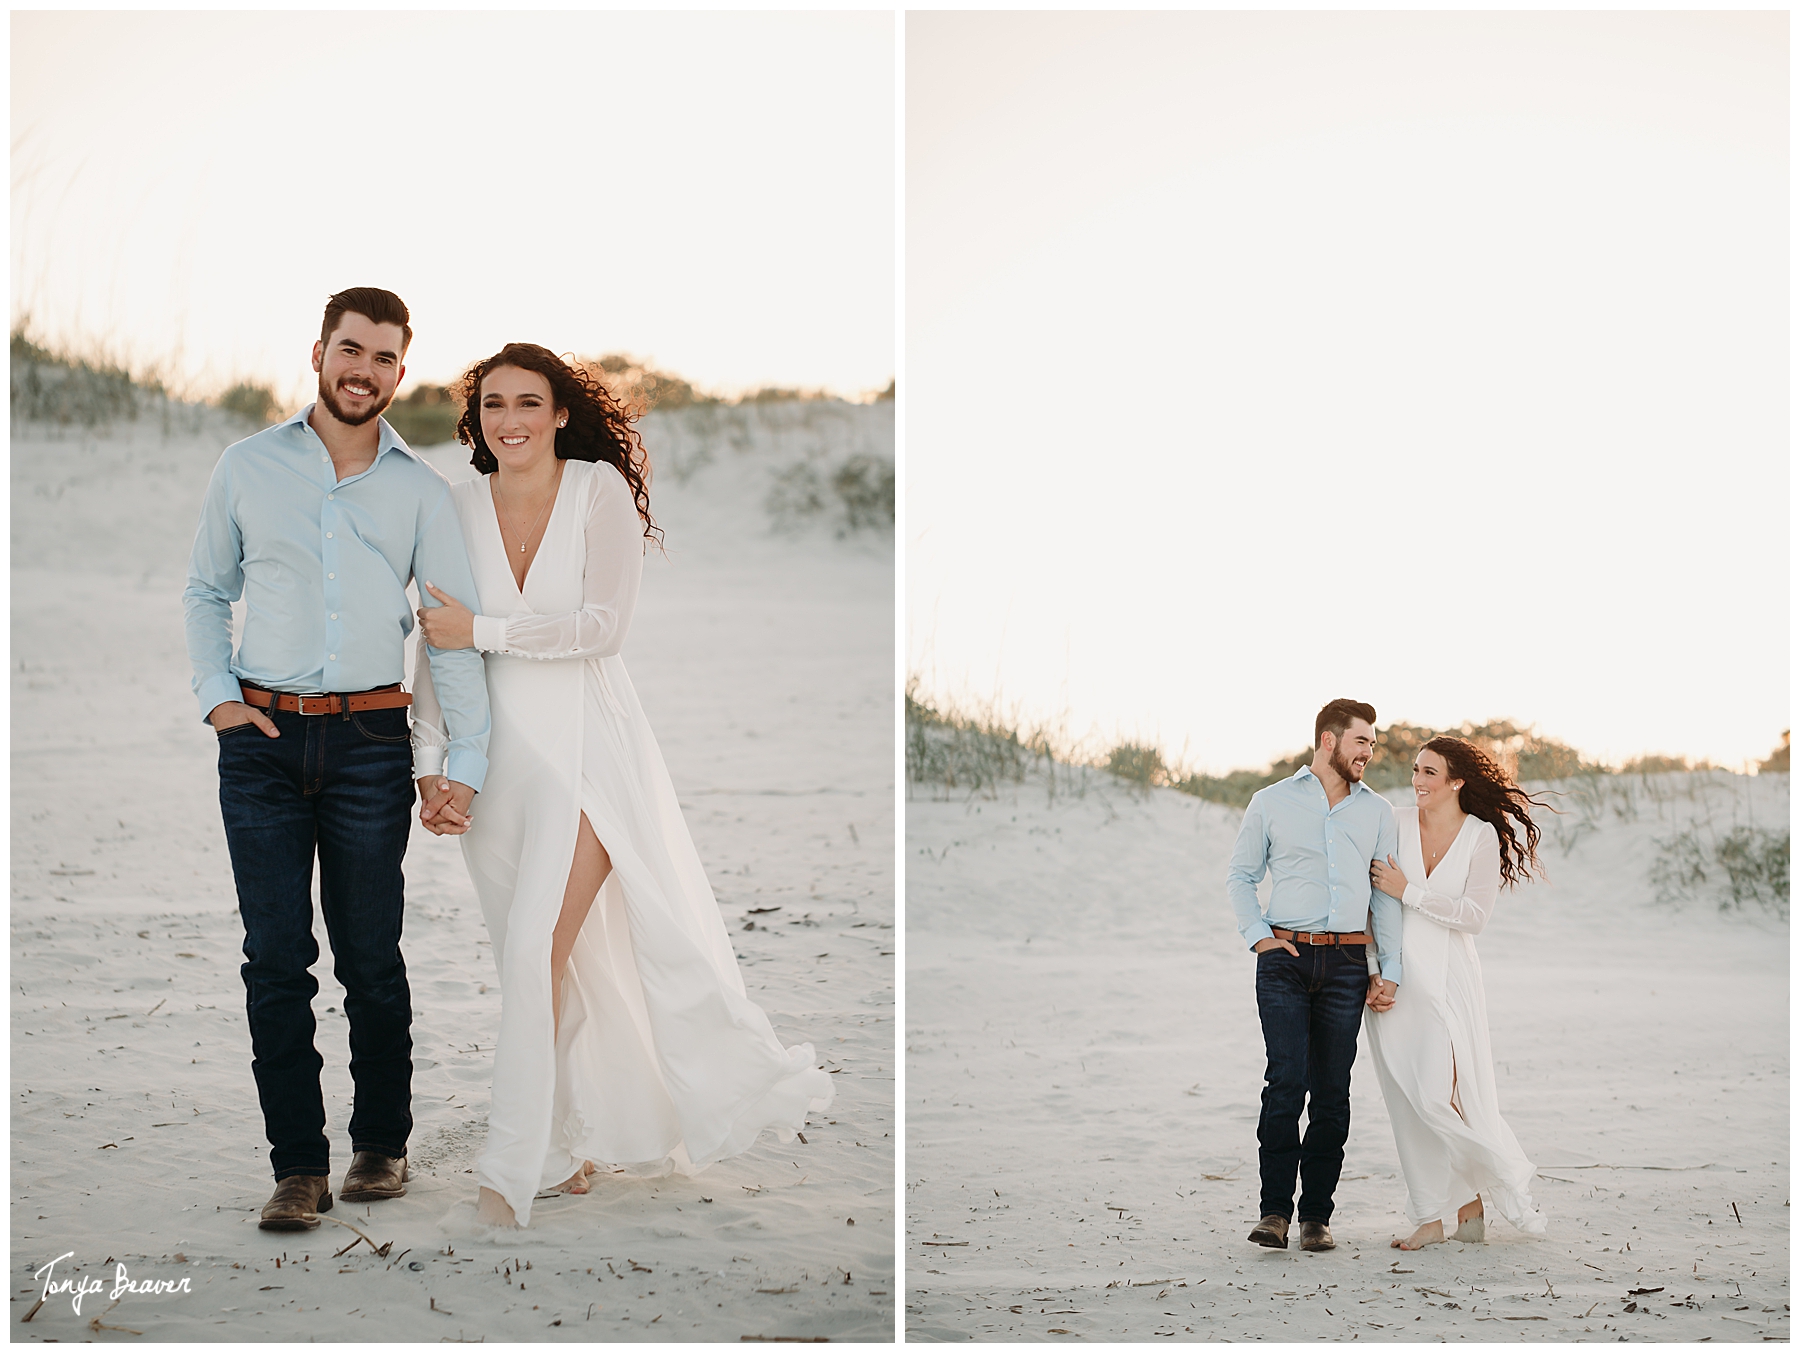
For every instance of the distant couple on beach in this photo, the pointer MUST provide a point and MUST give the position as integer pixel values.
(1329, 844)
(625, 1032)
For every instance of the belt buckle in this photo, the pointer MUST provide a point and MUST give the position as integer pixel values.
(325, 707)
(1319, 937)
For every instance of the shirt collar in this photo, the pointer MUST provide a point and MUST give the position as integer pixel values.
(390, 440)
(1306, 773)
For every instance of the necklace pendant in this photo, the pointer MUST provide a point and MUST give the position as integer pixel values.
(521, 547)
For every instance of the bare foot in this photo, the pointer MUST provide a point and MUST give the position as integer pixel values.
(1468, 1210)
(1431, 1233)
(577, 1182)
(493, 1210)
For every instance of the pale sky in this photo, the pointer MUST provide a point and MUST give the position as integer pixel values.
(1437, 360)
(711, 190)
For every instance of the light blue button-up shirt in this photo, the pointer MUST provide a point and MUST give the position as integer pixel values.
(1318, 857)
(322, 565)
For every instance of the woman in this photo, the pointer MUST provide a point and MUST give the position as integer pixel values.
(1458, 847)
(625, 1033)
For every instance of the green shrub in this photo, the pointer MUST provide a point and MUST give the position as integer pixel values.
(641, 388)
(1651, 764)
(1747, 865)
(252, 402)
(950, 749)
(1235, 787)
(865, 486)
(1528, 755)
(423, 424)
(1139, 764)
(861, 491)
(50, 387)
(796, 495)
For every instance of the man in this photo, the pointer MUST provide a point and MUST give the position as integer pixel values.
(1316, 833)
(319, 523)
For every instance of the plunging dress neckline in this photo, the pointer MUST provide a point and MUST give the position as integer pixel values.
(661, 1061)
(1431, 869)
(1432, 1051)
(500, 534)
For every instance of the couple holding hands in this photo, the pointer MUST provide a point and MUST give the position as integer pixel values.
(625, 1035)
(1425, 877)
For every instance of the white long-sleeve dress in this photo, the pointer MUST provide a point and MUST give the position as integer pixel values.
(662, 1062)
(1431, 1050)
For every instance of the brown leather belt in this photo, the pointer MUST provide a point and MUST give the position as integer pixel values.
(1320, 936)
(384, 697)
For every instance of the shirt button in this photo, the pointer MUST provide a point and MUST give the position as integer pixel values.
(331, 657)
(328, 535)
(331, 497)
(331, 575)
(334, 615)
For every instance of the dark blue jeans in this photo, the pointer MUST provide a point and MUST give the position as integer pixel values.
(1311, 1009)
(338, 786)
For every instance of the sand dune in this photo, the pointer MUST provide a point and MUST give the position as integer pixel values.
(1084, 1068)
(764, 664)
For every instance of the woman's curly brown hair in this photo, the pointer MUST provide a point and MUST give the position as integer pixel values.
(1489, 794)
(600, 429)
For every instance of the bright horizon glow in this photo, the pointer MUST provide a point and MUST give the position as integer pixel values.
(1437, 360)
(712, 192)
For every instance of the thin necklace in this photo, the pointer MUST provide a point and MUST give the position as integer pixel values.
(541, 511)
(1436, 853)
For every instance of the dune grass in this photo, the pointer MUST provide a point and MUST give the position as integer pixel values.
(952, 750)
(56, 390)
(856, 495)
(53, 387)
(989, 736)
(1714, 851)
(60, 386)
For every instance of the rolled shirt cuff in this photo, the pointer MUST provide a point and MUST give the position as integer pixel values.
(1390, 969)
(1257, 934)
(490, 635)
(428, 759)
(215, 691)
(466, 768)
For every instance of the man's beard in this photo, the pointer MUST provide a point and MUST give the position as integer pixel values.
(1343, 767)
(337, 412)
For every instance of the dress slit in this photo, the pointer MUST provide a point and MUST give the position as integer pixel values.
(1440, 1024)
(650, 1058)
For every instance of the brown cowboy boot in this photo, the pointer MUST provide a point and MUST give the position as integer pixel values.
(1316, 1235)
(297, 1202)
(1271, 1231)
(372, 1177)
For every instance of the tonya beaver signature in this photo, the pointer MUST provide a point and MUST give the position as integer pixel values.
(77, 1288)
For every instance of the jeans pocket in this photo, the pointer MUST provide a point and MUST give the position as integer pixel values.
(383, 725)
(223, 733)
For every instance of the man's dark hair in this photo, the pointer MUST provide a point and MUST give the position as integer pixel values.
(372, 303)
(1336, 717)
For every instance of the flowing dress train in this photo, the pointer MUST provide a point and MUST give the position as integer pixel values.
(1431, 1050)
(661, 1063)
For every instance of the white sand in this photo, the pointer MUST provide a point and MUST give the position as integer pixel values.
(765, 666)
(1084, 1067)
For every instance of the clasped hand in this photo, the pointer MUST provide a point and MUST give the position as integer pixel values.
(448, 625)
(444, 805)
(1381, 991)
